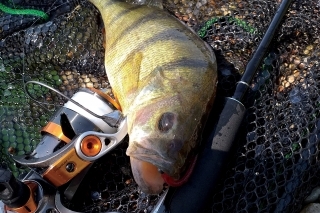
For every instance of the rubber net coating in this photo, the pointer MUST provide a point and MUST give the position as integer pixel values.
(275, 160)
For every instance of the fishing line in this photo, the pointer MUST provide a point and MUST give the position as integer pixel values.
(53, 89)
(66, 97)
(23, 60)
(23, 74)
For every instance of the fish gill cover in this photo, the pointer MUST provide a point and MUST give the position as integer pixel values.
(275, 160)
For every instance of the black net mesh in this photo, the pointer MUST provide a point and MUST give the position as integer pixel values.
(275, 161)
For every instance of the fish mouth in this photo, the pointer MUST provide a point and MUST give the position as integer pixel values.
(147, 166)
(152, 171)
(152, 181)
(147, 176)
(147, 155)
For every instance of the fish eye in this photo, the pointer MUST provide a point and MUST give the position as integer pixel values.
(166, 121)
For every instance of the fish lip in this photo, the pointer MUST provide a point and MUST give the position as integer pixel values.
(151, 156)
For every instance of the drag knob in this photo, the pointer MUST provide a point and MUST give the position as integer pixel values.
(13, 192)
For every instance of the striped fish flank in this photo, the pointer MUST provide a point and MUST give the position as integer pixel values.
(164, 77)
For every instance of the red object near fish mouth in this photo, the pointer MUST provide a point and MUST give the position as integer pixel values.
(175, 183)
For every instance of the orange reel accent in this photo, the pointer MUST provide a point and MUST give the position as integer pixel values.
(114, 102)
(91, 145)
(30, 206)
(55, 130)
(64, 169)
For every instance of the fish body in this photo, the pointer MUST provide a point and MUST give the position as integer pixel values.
(164, 77)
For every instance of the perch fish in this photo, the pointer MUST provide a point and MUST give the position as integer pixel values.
(164, 77)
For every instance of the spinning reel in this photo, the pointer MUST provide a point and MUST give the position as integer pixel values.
(71, 141)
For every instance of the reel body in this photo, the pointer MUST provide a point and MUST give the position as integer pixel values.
(72, 140)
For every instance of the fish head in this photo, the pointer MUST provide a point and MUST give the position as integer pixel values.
(161, 134)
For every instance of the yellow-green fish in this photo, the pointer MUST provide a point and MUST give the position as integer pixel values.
(164, 77)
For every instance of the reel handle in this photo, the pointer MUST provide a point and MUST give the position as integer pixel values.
(16, 195)
(13, 192)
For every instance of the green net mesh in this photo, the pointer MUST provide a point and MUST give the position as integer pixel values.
(275, 161)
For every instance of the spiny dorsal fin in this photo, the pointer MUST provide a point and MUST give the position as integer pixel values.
(154, 3)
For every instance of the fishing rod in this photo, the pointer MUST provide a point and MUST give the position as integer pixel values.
(193, 196)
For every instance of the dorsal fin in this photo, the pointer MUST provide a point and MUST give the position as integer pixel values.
(153, 3)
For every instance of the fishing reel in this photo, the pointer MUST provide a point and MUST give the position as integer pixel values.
(71, 141)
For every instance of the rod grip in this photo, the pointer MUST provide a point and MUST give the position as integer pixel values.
(228, 125)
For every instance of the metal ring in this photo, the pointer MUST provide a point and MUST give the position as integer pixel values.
(242, 82)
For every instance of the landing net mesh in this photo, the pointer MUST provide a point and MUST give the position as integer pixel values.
(275, 161)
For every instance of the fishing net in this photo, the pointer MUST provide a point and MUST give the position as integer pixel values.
(275, 159)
